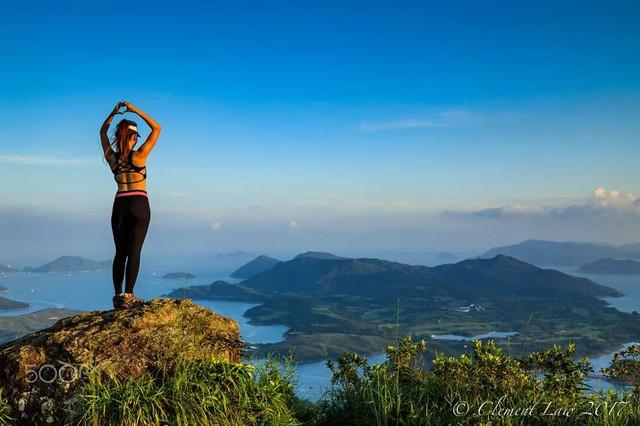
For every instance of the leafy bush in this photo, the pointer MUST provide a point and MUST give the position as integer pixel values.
(625, 366)
(485, 386)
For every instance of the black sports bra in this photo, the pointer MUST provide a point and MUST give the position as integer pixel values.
(128, 167)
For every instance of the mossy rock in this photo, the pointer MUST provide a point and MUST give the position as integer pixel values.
(41, 372)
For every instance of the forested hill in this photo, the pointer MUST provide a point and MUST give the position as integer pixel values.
(368, 277)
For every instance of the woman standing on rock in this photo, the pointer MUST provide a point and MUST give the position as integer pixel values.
(131, 214)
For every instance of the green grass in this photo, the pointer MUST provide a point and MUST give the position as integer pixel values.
(210, 391)
(4, 410)
(400, 391)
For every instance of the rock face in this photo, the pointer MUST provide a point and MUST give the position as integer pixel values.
(42, 371)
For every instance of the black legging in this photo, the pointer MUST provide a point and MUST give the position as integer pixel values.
(129, 222)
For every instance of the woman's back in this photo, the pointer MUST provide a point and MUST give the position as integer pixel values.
(130, 174)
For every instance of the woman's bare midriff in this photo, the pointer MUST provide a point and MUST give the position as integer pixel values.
(130, 186)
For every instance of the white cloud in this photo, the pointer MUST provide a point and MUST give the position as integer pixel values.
(616, 199)
(410, 123)
(603, 202)
(47, 160)
(446, 118)
(45, 233)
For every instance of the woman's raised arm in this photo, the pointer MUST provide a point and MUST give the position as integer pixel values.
(148, 145)
(104, 139)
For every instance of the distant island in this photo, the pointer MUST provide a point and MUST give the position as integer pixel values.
(71, 264)
(612, 266)
(633, 249)
(446, 257)
(264, 263)
(552, 253)
(318, 255)
(12, 304)
(5, 268)
(233, 255)
(257, 265)
(332, 304)
(178, 275)
(13, 327)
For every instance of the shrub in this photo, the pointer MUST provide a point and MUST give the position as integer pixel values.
(483, 387)
(625, 367)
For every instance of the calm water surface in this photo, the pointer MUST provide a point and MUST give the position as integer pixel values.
(93, 291)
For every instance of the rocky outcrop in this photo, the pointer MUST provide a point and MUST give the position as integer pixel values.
(42, 372)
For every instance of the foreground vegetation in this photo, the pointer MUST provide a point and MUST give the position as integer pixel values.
(203, 392)
(484, 386)
(4, 409)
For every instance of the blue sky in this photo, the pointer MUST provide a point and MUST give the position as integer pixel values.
(324, 125)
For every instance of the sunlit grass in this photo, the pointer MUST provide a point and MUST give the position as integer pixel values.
(399, 391)
(209, 391)
(4, 409)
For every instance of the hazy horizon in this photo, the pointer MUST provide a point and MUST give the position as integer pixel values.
(232, 259)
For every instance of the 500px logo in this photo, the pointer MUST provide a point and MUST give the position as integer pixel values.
(48, 373)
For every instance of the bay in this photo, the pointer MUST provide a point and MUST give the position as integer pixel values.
(93, 291)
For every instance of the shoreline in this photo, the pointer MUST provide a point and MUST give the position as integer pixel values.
(257, 346)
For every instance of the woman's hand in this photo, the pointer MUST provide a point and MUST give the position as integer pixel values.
(116, 109)
(107, 121)
(130, 107)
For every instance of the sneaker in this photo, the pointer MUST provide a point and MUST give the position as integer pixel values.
(117, 301)
(130, 299)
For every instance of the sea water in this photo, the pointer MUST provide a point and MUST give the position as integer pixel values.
(93, 291)
(89, 291)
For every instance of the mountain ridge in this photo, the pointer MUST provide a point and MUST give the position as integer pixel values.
(71, 264)
(255, 266)
(562, 253)
(612, 266)
(328, 276)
